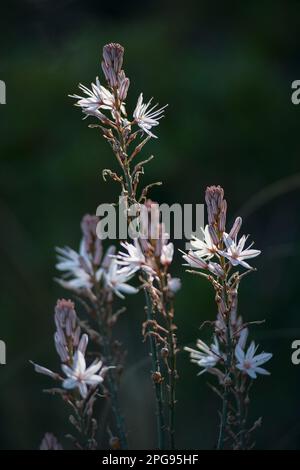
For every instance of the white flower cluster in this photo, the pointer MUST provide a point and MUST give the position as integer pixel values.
(220, 253)
(234, 250)
(209, 357)
(149, 255)
(87, 268)
(99, 99)
(71, 347)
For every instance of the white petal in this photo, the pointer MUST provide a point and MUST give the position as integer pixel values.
(82, 389)
(69, 383)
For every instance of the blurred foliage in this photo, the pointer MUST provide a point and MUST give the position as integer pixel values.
(226, 72)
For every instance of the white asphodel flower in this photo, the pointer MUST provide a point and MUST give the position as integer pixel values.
(195, 261)
(205, 248)
(116, 280)
(77, 267)
(235, 251)
(79, 376)
(147, 118)
(206, 357)
(134, 259)
(96, 98)
(167, 253)
(249, 363)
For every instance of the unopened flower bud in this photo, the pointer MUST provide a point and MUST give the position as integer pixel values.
(216, 207)
(227, 382)
(213, 234)
(216, 269)
(157, 377)
(167, 252)
(235, 228)
(164, 353)
(83, 343)
(123, 89)
(112, 63)
(50, 442)
(113, 54)
(174, 285)
(114, 443)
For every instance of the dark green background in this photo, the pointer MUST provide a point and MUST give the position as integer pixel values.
(226, 71)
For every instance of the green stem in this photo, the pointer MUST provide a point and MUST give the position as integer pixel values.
(223, 421)
(172, 381)
(157, 384)
(111, 376)
(224, 414)
(241, 415)
(114, 398)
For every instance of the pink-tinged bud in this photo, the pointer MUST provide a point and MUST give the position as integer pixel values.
(235, 228)
(60, 335)
(83, 343)
(174, 285)
(92, 243)
(216, 207)
(44, 371)
(194, 261)
(213, 234)
(112, 64)
(113, 55)
(68, 327)
(67, 334)
(76, 336)
(123, 89)
(50, 442)
(222, 217)
(216, 269)
(166, 256)
(61, 351)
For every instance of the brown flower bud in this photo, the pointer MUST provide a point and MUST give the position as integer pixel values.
(114, 443)
(164, 353)
(157, 377)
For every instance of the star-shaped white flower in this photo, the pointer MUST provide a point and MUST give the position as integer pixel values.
(77, 267)
(205, 248)
(116, 280)
(96, 98)
(195, 261)
(147, 118)
(249, 363)
(79, 376)
(134, 259)
(235, 251)
(207, 357)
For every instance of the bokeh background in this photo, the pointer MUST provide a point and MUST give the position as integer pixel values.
(226, 72)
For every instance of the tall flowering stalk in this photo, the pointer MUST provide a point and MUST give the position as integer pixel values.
(93, 277)
(79, 384)
(218, 258)
(151, 254)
